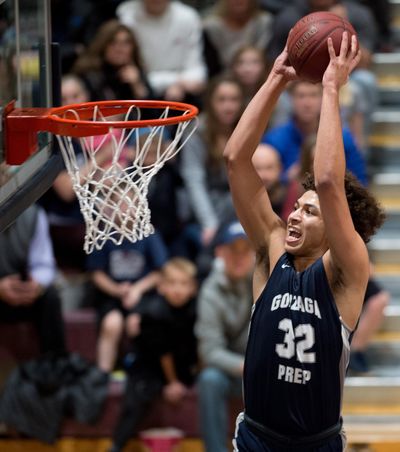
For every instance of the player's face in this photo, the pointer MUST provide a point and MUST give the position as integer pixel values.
(119, 51)
(238, 258)
(177, 287)
(227, 103)
(249, 67)
(306, 101)
(305, 231)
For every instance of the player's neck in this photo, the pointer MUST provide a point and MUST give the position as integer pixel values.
(301, 263)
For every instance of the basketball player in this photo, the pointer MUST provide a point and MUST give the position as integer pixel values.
(309, 280)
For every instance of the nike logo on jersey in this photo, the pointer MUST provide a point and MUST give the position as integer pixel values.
(285, 266)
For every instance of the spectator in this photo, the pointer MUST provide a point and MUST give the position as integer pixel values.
(164, 358)
(295, 187)
(75, 24)
(111, 66)
(288, 138)
(231, 25)
(27, 273)
(249, 67)
(67, 227)
(359, 16)
(202, 165)
(363, 87)
(382, 11)
(121, 275)
(224, 307)
(266, 161)
(375, 301)
(364, 24)
(164, 194)
(169, 36)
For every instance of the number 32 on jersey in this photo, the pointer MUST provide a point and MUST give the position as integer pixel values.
(296, 343)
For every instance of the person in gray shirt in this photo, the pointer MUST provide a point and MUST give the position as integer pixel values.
(224, 309)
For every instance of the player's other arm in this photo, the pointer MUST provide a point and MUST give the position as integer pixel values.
(347, 258)
(251, 201)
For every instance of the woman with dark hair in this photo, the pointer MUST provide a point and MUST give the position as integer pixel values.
(202, 165)
(249, 67)
(111, 66)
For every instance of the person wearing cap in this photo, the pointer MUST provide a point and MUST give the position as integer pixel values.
(224, 308)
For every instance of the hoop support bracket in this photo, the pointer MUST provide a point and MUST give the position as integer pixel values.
(21, 125)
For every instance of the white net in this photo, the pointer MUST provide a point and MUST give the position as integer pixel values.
(111, 174)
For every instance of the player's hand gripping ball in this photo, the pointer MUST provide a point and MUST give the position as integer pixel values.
(307, 45)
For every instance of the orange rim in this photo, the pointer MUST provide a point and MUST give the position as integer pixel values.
(111, 108)
(21, 125)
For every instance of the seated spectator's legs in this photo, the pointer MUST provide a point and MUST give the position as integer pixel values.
(376, 299)
(140, 392)
(110, 333)
(214, 388)
(46, 314)
(370, 321)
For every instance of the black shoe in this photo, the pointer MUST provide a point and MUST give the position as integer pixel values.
(358, 362)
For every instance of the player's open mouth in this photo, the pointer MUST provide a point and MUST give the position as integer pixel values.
(293, 235)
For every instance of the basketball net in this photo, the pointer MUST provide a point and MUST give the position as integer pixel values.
(111, 175)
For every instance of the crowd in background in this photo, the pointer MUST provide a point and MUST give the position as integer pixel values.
(183, 295)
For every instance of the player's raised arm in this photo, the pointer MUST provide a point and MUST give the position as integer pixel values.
(347, 259)
(249, 195)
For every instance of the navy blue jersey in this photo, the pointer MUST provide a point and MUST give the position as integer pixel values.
(297, 353)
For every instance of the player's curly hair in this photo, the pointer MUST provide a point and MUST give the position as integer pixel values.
(366, 213)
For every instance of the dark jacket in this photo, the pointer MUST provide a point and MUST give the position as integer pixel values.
(39, 393)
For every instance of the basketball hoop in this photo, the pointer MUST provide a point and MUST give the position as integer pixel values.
(121, 152)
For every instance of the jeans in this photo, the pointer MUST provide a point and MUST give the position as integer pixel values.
(215, 387)
(142, 389)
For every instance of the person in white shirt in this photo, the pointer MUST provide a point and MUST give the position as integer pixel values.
(170, 39)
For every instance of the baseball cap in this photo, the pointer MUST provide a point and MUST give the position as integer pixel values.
(229, 233)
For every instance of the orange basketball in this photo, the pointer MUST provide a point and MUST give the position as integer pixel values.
(307, 46)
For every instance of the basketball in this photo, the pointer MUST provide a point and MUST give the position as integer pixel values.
(307, 45)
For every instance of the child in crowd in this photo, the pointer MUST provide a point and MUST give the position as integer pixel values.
(122, 274)
(164, 358)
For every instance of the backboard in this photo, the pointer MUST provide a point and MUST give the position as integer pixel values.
(29, 71)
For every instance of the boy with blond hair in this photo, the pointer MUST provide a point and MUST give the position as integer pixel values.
(164, 358)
